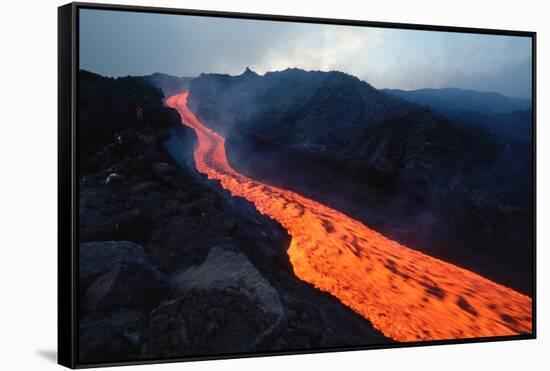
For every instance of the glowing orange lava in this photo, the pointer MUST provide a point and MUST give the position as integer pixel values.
(407, 295)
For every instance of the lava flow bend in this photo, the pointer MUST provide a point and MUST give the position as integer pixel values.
(407, 295)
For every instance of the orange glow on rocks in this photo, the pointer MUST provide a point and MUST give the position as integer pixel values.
(407, 295)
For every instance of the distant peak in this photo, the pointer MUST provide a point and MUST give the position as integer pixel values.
(248, 72)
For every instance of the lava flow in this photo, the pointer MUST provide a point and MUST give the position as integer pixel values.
(407, 295)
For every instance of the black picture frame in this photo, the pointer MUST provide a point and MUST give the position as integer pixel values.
(68, 260)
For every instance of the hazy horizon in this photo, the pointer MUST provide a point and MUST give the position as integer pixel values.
(122, 43)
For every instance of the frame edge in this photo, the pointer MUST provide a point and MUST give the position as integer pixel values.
(66, 314)
(300, 19)
(67, 110)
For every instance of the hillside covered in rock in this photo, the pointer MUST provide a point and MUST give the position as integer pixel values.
(456, 187)
(170, 264)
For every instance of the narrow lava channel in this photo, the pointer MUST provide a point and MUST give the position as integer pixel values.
(407, 295)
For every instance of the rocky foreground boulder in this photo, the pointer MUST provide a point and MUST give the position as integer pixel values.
(117, 275)
(224, 304)
(131, 285)
(119, 288)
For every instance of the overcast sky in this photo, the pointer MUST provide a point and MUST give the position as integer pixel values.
(114, 43)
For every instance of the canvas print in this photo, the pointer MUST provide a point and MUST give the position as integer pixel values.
(253, 186)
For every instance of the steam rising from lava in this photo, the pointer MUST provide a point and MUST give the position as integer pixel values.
(407, 295)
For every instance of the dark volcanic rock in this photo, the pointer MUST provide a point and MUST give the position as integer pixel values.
(96, 222)
(225, 305)
(117, 337)
(130, 285)
(108, 106)
(164, 172)
(335, 114)
(145, 187)
(97, 258)
(293, 107)
(162, 168)
(134, 222)
(115, 178)
(229, 268)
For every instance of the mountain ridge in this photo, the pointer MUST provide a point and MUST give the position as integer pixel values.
(426, 180)
(329, 112)
(445, 99)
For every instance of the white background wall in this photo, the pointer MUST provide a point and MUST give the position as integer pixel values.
(28, 155)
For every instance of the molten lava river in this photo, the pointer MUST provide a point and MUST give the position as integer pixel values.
(407, 295)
